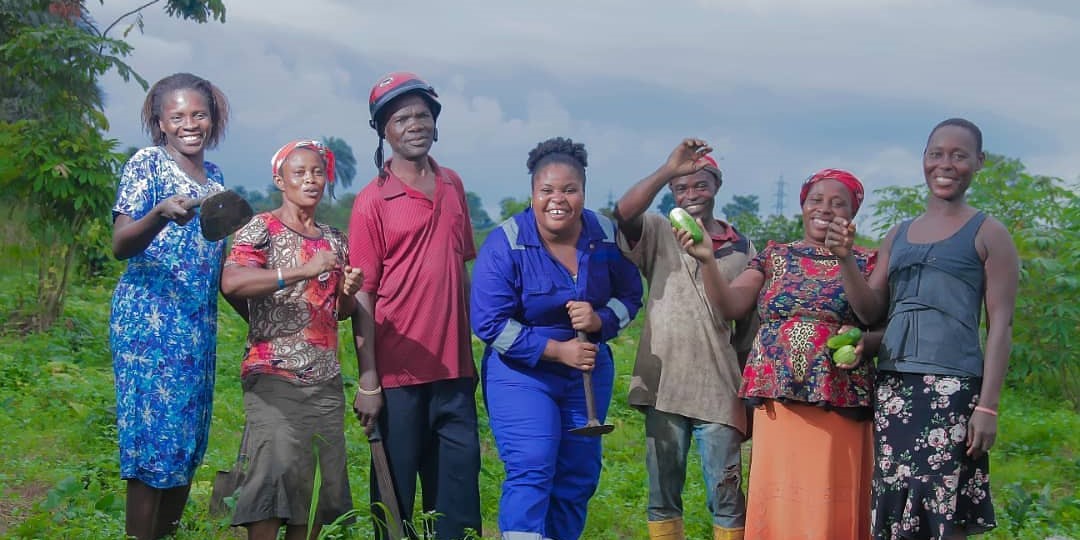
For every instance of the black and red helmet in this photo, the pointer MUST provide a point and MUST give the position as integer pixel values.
(397, 84)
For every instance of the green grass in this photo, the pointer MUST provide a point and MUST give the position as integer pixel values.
(58, 457)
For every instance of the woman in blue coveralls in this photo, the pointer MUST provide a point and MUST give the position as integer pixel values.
(541, 276)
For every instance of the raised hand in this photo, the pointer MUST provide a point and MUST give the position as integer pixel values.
(685, 158)
(583, 317)
(840, 237)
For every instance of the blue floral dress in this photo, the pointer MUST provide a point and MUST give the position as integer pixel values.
(163, 329)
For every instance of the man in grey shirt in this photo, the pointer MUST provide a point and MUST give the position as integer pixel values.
(687, 373)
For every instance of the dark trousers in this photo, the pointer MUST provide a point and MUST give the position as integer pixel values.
(430, 430)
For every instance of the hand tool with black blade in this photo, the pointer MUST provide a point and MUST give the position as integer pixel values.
(221, 213)
(592, 428)
(387, 494)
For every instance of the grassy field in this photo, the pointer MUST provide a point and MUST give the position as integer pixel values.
(59, 473)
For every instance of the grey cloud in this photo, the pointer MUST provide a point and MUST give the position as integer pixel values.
(779, 90)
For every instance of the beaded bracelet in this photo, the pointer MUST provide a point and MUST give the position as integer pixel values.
(280, 280)
(986, 410)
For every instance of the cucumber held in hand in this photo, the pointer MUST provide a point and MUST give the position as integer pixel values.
(681, 219)
(844, 356)
(851, 337)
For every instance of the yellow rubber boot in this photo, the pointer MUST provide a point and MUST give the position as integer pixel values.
(721, 533)
(668, 529)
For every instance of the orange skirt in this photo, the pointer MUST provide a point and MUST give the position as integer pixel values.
(809, 476)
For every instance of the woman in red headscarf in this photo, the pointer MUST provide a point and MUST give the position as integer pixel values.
(812, 438)
(292, 272)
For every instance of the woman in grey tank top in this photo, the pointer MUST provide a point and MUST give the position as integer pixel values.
(937, 391)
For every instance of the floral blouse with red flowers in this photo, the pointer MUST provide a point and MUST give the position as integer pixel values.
(801, 304)
(293, 331)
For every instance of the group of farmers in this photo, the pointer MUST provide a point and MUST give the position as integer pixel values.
(734, 344)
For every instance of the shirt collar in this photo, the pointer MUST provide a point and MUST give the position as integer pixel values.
(392, 186)
(729, 234)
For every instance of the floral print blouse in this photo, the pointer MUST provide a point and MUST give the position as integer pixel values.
(293, 332)
(801, 304)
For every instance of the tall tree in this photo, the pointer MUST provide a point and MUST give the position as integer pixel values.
(740, 207)
(479, 217)
(55, 162)
(21, 97)
(344, 158)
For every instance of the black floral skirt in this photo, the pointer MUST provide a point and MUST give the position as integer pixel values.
(925, 486)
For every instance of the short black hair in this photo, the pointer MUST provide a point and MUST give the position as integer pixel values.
(558, 150)
(961, 123)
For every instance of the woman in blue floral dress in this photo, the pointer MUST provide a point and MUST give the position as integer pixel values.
(163, 325)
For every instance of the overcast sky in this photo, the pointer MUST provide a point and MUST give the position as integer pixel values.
(781, 88)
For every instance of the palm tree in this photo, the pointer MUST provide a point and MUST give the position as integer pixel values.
(346, 161)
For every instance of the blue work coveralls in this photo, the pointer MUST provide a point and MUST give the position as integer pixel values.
(519, 296)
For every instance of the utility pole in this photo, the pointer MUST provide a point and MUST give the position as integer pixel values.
(778, 208)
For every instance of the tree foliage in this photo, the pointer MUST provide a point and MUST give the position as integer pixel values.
(56, 164)
(344, 160)
(200, 11)
(1043, 215)
(510, 206)
(776, 228)
(667, 202)
(740, 205)
(481, 220)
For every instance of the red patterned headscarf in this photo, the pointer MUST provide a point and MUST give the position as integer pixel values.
(853, 184)
(328, 156)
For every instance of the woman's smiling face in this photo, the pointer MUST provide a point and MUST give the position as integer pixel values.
(950, 162)
(826, 199)
(185, 121)
(558, 198)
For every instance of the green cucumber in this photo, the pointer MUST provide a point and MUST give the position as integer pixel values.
(844, 356)
(851, 337)
(681, 219)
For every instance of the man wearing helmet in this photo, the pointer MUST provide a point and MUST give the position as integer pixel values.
(410, 233)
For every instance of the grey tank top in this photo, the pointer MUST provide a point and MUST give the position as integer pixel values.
(936, 294)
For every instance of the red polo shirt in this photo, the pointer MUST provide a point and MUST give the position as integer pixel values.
(413, 251)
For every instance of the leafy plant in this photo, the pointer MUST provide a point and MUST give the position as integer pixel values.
(510, 206)
(776, 228)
